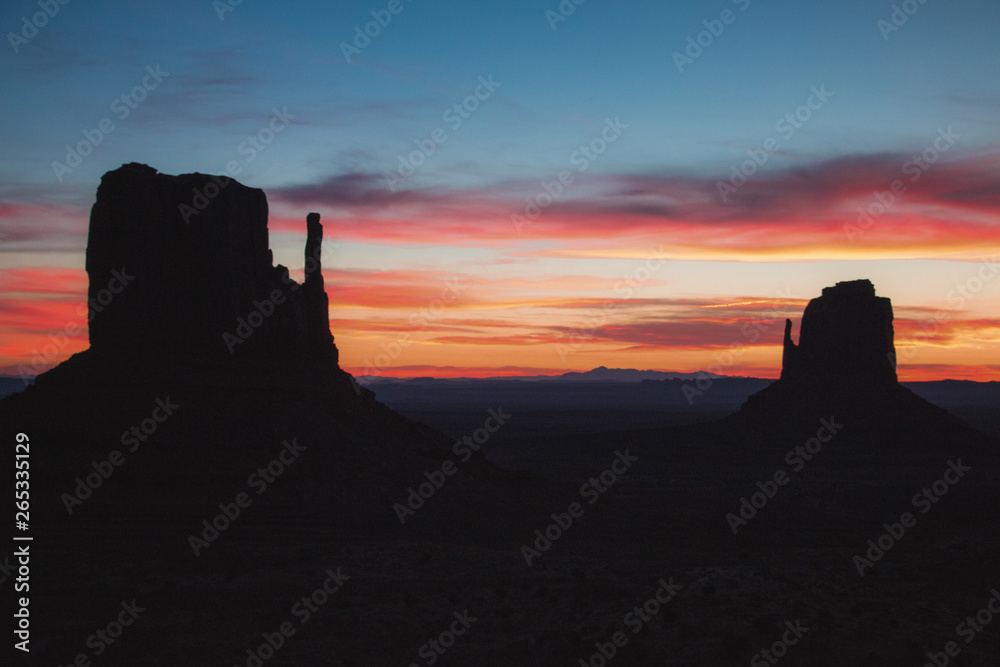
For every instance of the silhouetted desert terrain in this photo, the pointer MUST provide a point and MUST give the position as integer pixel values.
(199, 501)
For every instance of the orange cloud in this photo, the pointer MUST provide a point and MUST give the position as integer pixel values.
(947, 332)
(934, 372)
(43, 281)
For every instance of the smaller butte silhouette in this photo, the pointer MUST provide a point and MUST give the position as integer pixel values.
(843, 365)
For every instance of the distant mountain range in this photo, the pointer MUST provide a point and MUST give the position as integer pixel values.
(11, 384)
(599, 374)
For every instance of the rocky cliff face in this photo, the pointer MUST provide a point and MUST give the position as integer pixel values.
(846, 334)
(193, 250)
(189, 311)
(844, 364)
(314, 300)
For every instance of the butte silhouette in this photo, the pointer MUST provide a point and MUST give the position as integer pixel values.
(844, 365)
(188, 310)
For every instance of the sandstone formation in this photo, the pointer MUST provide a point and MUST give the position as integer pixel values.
(315, 302)
(846, 334)
(194, 252)
(190, 311)
(844, 364)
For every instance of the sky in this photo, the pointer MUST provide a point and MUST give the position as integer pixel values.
(533, 187)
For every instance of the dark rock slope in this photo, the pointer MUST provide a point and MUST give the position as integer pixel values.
(188, 309)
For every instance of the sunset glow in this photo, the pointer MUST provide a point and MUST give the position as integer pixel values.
(637, 224)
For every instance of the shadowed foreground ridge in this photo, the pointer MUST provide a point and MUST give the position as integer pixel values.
(213, 377)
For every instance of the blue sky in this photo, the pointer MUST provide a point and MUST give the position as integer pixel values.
(605, 60)
(891, 92)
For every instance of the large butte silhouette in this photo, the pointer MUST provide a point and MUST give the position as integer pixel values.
(204, 284)
(211, 373)
(198, 316)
